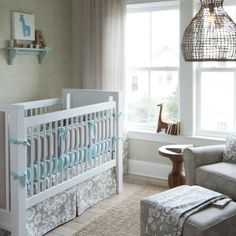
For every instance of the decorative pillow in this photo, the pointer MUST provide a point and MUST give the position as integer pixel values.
(229, 154)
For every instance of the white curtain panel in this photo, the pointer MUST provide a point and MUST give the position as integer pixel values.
(102, 48)
(102, 39)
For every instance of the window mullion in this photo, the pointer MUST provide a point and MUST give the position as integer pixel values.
(149, 97)
(149, 71)
(150, 35)
(153, 68)
(198, 94)
(234, 101)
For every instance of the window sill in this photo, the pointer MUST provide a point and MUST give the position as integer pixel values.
(173, 139)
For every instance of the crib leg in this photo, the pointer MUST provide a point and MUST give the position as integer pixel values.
(119, 168)
(119, 180)
(17, 131)
(119, 147)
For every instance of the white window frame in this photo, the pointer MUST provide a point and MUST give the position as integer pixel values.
(144, 7)
(188, 80)
(200, 69)
(211, 133)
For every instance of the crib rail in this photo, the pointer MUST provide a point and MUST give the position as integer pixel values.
(64, 114)
(42, 106)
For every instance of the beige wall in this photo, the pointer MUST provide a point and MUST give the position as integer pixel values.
(140, 150)
(26, 79)
(76, 42)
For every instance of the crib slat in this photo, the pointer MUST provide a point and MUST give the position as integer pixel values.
(65, 140)
(77, 144)
(45, 141)
(95, 140)
(103, 136)
(62, 148)
(82, 144)
(51, 147)
(38, 159)
(115, 134)
(71, 148)
(56, 153)
(90, 127)
(107, 134)
(67, 147)
(31, 160)
(110, 132)
(99, 136)
(86, 142)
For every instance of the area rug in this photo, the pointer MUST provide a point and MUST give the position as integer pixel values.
(121, 220)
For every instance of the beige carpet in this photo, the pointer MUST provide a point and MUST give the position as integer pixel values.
(122, 219)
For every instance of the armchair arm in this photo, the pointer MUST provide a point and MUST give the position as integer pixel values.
(199, 156)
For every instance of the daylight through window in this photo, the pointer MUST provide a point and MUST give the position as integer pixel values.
(152, 56)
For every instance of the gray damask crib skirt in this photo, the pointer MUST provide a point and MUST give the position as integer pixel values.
(69, 204)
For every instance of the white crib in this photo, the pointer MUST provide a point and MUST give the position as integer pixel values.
(50, 146)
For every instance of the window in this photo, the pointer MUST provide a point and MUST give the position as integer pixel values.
(134, 83)
(216, 90)
(152, 56)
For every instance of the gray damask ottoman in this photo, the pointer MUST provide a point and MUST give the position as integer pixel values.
(210, 221)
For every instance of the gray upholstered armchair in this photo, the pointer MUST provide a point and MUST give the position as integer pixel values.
(204, 167)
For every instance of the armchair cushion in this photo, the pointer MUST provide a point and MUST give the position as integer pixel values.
(229, 154)
(220, 177)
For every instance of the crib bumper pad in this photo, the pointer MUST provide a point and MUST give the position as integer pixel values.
(54, 165)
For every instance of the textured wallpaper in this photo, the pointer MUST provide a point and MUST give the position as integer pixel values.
(26, 79)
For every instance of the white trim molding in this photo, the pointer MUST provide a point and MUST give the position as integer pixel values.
(149, 169)
(174, 139)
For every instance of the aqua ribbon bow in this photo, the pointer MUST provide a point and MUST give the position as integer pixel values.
(22, 178)
(19, 142)
(116, 139)
(118, 114)
(93, 128)
(62, 132)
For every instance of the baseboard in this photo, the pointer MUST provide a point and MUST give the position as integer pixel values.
(148, 169)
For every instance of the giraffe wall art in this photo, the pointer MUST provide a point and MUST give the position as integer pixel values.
(23, 26)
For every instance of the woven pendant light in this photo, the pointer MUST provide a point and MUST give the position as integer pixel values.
(211, 35)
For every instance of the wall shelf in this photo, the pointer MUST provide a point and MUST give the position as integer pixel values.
(40, 52)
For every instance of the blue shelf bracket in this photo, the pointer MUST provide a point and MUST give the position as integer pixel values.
(42, 55)
(12, 55)
(41, 52)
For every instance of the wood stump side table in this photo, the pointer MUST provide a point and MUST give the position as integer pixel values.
(177, 176)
